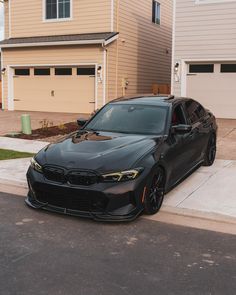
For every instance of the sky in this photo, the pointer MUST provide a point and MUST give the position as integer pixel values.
(1, 21)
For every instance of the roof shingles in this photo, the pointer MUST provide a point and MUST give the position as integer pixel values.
(59, 38)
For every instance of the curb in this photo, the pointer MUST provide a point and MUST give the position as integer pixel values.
(171, 215)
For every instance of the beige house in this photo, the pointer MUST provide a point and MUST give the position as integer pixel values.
(204, 53)
(76, 55)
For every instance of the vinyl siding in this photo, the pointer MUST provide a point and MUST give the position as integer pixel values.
(6, 20)
(87, 17)
(142, 46)
(205, 31)
(52, 56)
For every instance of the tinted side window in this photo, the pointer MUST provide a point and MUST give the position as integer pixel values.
(194, 111)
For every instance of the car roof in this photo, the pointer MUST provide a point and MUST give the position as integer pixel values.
(157, 100)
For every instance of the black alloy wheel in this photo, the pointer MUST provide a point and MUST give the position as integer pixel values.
(211, 151)
(155, 195)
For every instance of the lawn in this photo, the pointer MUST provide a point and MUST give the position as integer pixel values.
(8, 154)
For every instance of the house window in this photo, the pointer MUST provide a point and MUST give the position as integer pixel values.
(42, 72)
(156, 12)
(63, 71)
(201, 68)
(58, 9)
(228, 68)
(86, 71)
(22, 72)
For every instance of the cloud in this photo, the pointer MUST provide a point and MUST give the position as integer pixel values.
(1, 22)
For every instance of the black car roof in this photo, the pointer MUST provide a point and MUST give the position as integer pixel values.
(158, 100)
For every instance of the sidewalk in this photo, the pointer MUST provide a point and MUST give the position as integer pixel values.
(208, 192)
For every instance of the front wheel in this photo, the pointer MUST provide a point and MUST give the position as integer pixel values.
(155, 195)
(211, 151)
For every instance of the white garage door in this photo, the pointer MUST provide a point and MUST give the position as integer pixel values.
(214, 85)
(55, 89)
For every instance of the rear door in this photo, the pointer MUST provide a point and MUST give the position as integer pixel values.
(198, 137)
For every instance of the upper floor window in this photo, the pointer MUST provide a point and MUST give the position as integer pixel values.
(156, 12)
(58, 9)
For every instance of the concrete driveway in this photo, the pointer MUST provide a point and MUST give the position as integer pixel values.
(226, 139)
(10, 122)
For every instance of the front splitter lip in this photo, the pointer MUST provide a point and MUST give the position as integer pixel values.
(97, 216)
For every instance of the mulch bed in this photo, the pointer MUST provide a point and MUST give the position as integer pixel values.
(43, 133)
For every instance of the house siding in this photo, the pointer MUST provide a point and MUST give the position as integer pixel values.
(142, 46)
(49, 56)
(87, 17)
(6, 20)
(204, 32)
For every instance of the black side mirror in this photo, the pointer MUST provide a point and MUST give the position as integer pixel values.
(81, 122)
(181, 128)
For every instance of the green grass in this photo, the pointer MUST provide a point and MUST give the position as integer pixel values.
(8, 155)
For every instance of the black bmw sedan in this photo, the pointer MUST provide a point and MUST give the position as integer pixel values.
(123, 160)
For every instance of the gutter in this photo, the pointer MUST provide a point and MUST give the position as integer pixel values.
(102, 42)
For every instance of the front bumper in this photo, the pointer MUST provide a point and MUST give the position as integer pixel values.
(100, 201)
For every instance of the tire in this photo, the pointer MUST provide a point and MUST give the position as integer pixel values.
(210, 152)
(155, 195)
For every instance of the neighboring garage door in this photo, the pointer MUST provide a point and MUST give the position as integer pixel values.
(214, 86)
(55, 89)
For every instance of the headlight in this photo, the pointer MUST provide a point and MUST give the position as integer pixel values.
(36, 166)
(122, 176)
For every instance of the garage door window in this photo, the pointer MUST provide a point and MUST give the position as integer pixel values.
(86, 71)
(201, 68)
(228, 68)
(22, 72)
(42, 72)
(63, 71)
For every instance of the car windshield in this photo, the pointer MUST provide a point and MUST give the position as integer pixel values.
(129, 118)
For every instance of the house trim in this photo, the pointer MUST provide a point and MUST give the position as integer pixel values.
(61, 43)
(112, 15)
(10, 73)
(104, 75)
(9, 18)
(203, 2)
(173, 46)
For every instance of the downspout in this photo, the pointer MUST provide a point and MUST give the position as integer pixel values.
(3, 103)
(105, 53)
(173, 47)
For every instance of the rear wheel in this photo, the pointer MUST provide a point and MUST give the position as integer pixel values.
(155, 195)
(211, 151)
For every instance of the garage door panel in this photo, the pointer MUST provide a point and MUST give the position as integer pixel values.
(73, 94)
(215, 91)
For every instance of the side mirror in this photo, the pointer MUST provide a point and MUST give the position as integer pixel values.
(81, 122)
(181, 128)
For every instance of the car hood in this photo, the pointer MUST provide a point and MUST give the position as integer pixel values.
(100, 151)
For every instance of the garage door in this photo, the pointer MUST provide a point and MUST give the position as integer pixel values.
(55, 89)
(214, 85)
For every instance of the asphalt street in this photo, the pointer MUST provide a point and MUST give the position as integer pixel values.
(45, 253)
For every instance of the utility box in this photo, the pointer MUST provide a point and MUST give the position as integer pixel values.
(26, 124)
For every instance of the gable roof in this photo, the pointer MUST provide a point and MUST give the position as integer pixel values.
(78, 39)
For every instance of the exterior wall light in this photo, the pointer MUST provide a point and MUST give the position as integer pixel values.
(3, 71)
(177, 72)
(99, 73)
